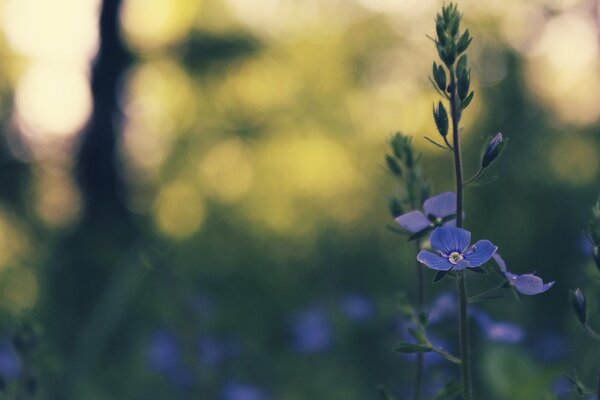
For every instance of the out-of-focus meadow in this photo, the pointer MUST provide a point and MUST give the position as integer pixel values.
(207, 220)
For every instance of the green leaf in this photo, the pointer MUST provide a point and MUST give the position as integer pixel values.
(440, 275)
(405, 347)
(478, 270)
(451, 391)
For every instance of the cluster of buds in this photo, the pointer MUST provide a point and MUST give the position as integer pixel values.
(454, 81)
(594, 233)
(403, 163)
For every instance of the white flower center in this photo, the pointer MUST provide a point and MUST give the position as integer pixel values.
(455, 257)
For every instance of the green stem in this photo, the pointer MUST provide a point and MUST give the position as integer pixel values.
(476, 298)
(461, 285)
(420, 305)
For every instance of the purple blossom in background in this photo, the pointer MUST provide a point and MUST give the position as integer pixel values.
(436, 209)
(550, 347)
(442, 307)
(311, 331)
(528, 284)
(357, 307)
(454, 250)
(213, 351)
(240, 391)
(163, 352)
(10, 367)
(500, 332)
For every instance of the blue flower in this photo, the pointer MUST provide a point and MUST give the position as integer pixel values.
(500, 332)
(241, 391)
(438, 210)
(357, 307)
(454, 250)
(311, 331)
(495, 146)
(10, 366)
(163, 352)
(528, 284)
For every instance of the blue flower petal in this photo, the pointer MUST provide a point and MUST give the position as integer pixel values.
(434, 261)
(414, 221)
(462, 264)
(530, 284)
(480, 253)
(441, 206)
(448, 239)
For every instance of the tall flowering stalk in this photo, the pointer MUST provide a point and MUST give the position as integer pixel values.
(451, 250)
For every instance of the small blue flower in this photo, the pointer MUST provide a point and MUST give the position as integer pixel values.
(443, 307)
(10, 366)
(311, 331)
(163, 352)
(357, 307)
(241, 391)
(528, 284)
(436, 210)
(500, 332)
(454, 250)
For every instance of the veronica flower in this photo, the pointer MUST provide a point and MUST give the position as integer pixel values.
(453, 250)
(528, 284)
(242, 391)
(497, 331)
(357, 307)
(437, 211)
(163, 351)
(311, 330)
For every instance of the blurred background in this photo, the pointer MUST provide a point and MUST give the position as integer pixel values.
(193, 199)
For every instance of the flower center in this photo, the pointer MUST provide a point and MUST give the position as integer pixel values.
(455, 257)
(438, 221)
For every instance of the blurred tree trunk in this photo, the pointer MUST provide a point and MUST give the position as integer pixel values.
(87, 259)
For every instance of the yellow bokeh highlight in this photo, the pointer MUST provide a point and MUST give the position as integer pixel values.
(573, 159)
(58, 201)
(227, 170)
(19, 289)
(304, 180)
(160, 103)
(563, 69)
(154, 23)
(179, 210)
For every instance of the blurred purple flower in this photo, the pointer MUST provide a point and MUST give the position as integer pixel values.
(311, 330)
(213, 351)
(442, 307)
(528, 284)
(357, 307)
(163, 352)
(454, 252)
(240, 391)
(436, 209)
(10, 366)
(500, 332)
(550, 346)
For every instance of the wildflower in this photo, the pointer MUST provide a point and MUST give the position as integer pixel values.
(311, 331)
(357, 307)
(241, 391)
(438, 210)
(454, 250)
(498, 331)
(528, 284)
(163, 352)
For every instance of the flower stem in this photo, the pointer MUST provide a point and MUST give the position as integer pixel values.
(420, 305)
(461, 285)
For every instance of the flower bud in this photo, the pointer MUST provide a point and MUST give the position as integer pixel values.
(395, 207)
(596, 256)
(464, 83)
(439, 75)
(579, 305)
(393, 165)
(463, 42)
(441, 119)
(494, 148)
